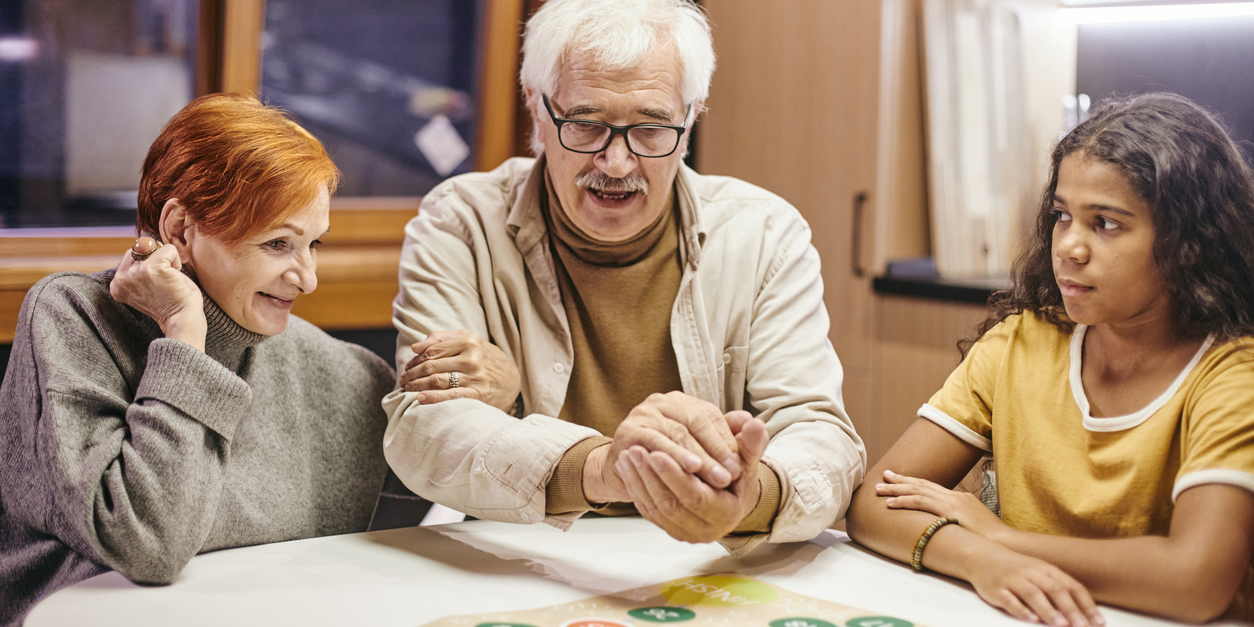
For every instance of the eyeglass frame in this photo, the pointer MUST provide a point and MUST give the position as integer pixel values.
(614, 131)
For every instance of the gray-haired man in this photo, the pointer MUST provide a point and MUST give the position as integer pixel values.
(664, 330)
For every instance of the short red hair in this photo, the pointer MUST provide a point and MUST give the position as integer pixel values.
(238, 167)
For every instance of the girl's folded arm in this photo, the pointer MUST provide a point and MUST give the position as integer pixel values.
(1192, 574)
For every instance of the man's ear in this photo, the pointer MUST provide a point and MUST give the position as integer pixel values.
(534, 106)
(177, 227)
(698, 108)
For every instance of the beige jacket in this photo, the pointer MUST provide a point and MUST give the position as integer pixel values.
(749, 330)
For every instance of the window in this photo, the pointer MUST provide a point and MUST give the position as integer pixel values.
(85, 87)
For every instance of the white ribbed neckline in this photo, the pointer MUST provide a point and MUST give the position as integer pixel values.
(1127, 421)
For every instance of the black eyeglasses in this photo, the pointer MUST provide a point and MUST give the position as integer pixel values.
(589, 136)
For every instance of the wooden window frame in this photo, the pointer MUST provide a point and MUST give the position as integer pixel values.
(357, 266)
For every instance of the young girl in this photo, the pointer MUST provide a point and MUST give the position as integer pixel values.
(1114, 384)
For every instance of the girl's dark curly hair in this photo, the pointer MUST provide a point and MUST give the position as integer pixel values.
(1184, 165)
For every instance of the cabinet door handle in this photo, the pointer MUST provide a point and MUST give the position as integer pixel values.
(859, 201)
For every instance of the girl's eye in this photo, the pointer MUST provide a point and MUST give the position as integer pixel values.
(1061, 215)
(1106, 225)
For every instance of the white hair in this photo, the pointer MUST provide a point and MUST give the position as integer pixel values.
(618, 34)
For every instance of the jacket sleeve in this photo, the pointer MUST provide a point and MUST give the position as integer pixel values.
(134, 474)
(794, 385)
(465, 454)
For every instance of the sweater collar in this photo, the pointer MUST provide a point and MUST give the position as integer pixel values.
(598, 252)
(225, 336)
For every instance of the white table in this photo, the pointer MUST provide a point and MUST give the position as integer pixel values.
(412, 576)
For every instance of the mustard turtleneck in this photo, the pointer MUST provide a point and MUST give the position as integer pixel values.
(618, 298)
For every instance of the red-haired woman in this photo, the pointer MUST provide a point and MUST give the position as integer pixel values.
(172, 405)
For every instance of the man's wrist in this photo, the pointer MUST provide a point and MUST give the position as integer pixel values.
(595, 490)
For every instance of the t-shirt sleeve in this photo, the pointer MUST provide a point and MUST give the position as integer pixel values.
(1218, 425)
(964, 405)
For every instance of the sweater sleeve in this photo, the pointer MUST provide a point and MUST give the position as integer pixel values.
(134, 474)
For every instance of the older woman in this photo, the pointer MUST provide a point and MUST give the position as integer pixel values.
(173, 405)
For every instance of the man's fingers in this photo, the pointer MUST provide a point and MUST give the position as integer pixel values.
(657, 441)
(752, 441)
(713, 434)
(660, 502)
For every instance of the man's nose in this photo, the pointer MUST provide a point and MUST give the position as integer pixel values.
(616, 161)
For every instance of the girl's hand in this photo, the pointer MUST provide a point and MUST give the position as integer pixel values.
(920, 494)
(484, 372)
(1033, 590)
(157, 287)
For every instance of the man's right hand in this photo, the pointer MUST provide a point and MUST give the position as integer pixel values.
(693, 432)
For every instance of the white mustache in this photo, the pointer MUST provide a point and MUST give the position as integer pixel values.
(603, 183)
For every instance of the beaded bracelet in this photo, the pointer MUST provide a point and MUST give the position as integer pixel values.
(917, 559)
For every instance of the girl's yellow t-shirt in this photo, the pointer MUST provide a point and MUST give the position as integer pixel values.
(1060, 471)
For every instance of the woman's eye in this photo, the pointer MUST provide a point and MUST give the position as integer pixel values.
(276, 244)
(315, 244)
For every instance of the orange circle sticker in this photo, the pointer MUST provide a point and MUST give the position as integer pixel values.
(718, 591)
(595, 622)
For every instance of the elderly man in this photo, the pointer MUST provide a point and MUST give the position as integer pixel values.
(602, 325)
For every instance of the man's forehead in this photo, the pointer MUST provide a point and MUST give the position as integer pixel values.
(651, 87)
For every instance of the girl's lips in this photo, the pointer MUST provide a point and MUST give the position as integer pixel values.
(1071, 288)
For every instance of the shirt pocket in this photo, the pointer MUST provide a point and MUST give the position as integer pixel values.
(731, 376)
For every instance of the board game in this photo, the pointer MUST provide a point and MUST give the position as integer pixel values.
(722, 600)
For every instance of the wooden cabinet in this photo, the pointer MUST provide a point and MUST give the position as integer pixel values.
(793, 108)
(820, 102)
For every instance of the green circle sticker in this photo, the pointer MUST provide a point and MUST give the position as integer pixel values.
(663, 614)
(718, 591)
(800, 621)
(878, 621)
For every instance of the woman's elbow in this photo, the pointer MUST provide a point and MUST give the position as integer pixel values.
(152, 570)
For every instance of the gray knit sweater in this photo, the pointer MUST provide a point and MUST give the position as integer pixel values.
(121, 449)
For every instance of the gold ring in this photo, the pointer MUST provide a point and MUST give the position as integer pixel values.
(452, 380)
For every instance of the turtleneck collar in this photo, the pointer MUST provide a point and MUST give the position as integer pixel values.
(226, 335)
(598, 252)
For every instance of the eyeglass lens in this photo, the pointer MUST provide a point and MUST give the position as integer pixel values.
(647, 141)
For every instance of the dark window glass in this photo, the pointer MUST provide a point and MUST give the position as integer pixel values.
(85, 86)
(389, 86)
(1207, 60)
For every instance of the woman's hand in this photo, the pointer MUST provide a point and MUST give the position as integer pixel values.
(1032, 590)
(157, 287)
(920, 494)
(483, 371)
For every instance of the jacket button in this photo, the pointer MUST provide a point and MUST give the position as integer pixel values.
(559, 367)
(727, 358)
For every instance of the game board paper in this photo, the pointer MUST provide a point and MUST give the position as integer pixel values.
(721, 600)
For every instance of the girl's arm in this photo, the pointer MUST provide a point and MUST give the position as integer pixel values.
(1191, 574)
(1025, 587)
